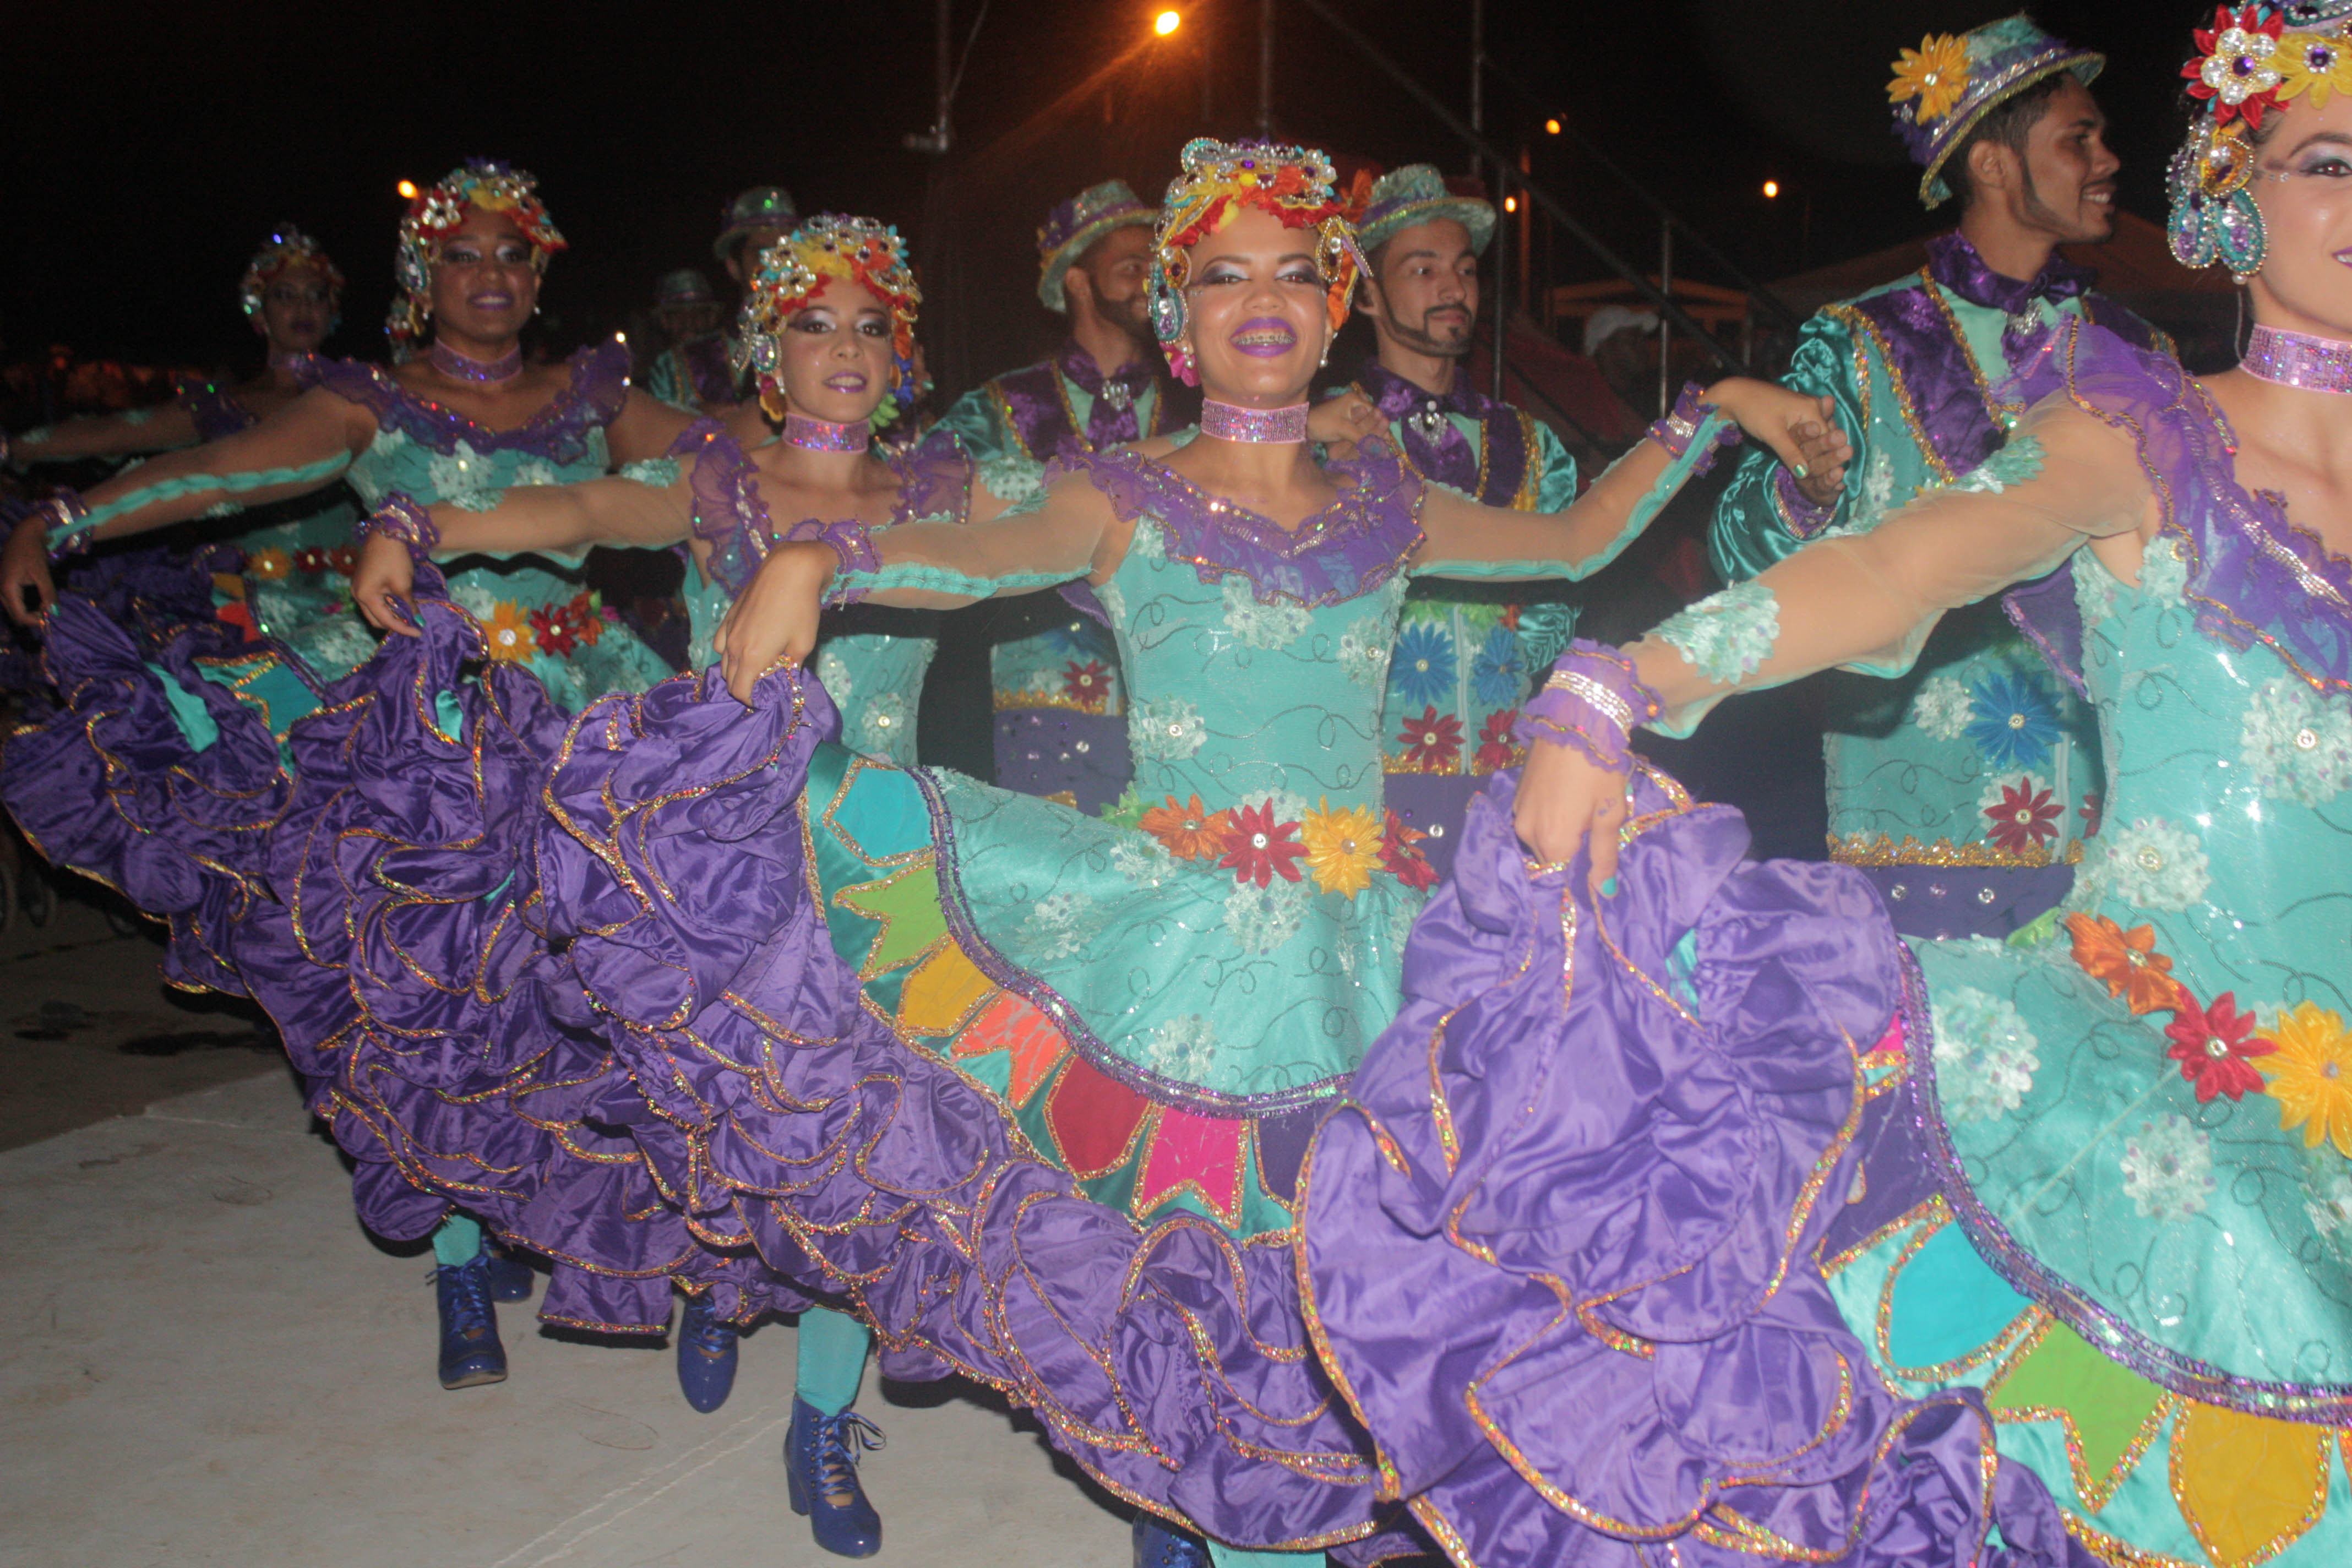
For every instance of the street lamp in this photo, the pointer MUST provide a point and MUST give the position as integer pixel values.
(1165, 23)
(1771, 190)
(1553, 126)
(407, 188)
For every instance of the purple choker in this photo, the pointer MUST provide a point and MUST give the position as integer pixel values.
(824, 436)
(1230, 422)
(457, 367)
(285, 359)
(2298, 359)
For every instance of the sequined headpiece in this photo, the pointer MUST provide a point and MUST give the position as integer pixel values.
(485, 185)
(1074, 225)
(1417, 193)
(1294, 183)
(794, 271)
(288, 247)
(762, 206)
(1946, 87)
(2249, 62)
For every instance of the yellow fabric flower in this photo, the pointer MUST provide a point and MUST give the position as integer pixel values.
(1343, 848)
(2311, 1074)
(1936, 73)
(269, 564)
(508, 633)
(2313, 63)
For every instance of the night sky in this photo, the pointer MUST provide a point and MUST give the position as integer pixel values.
(149, 148)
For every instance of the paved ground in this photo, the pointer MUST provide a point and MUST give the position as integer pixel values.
(203, 1359)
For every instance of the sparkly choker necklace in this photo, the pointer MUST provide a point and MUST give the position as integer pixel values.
(824, 436)
(285, 359)
(1230, 422)
(2298, 359)
(457, 367)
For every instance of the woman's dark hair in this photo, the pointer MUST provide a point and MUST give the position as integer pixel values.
(2007, 124)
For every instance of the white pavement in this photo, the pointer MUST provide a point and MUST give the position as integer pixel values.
(203, 1359)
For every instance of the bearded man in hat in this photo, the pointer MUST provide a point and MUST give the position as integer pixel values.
(696, 370)
(1965, 787)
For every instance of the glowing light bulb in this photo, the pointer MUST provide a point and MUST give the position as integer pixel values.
(1165, 23)
(408, 189)
(1771, 189)
(1510, 203)
(1553, 126)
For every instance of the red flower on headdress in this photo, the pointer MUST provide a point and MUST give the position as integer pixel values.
(2234, 66)
(1259, 848)
(2214, 1047)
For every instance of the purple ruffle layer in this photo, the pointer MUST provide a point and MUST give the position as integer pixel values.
(1561, 1243)
(109, 786)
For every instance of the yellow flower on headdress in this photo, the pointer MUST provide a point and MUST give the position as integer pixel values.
(508, 633)
(2311, 1074)
(2313, 63)
(1343, 848)
(1936, 73)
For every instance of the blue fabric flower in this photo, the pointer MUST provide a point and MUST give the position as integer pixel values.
(1423, 669)
(2016, 722)
(1497, 674)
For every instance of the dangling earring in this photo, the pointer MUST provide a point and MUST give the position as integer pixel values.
(1180, 364)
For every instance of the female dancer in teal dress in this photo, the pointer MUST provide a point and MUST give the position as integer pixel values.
(2108, 1178)
(292, 295)
(829, 324)
(463, 423)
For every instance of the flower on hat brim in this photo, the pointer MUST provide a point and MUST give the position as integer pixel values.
(2236, 66)
(1932, 78)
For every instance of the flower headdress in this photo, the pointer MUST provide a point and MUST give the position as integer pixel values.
(485, 185)
(1294, 184)
(2250, 62)
(1943, 90)
(794, 271)
(288, 248)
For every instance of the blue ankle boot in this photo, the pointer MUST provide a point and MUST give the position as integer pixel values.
(510, 1277)
(1159, 1544)
(820, 1473)
(705, 1354)
(470, 1351)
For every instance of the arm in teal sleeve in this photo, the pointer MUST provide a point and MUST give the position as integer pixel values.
(1497, 545)
(1556, 484)
(1050, 539)
(1754, 525)
(998, 462)
(301, 448)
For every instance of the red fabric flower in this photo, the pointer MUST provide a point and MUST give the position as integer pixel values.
(1432, 742)
(344, 558)
(1496, 749)
(2242, 82)
(1259, 848)
(1087, 684)
(310, 558)
(587, 621)
(1401, 855)
(2025, 820)
(2093, 811)
(2213, 1045)
(552, 627)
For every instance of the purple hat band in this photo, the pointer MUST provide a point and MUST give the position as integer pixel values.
(1066, 222)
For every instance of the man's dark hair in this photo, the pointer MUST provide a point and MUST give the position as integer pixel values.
(2007, 124)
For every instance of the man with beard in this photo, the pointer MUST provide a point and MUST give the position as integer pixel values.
(1463, 654)
(1965, 787)
(1060, 719)
(696, 370)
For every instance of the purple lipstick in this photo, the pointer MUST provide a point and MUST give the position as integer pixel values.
(1264, 337)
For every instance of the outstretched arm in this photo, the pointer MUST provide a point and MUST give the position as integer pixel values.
(156, 429)
(1496, 544)
(1067, 534)
(1866, 601)
(1767, 512)
(302, 447)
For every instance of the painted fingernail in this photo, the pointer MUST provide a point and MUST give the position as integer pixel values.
(1801, 470)
(1609, 888)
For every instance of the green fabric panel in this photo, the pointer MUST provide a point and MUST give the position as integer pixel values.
(457, 1240)
(2106, 1402)
(188, 710)
(1948, 1302)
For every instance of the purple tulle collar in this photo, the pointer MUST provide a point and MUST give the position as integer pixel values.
(1344, 552)
(1955, 263)
(594, 398)
(2253, 576)
(934, 482)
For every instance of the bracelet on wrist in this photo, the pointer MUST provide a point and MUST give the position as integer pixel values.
(400, 517)
(852, 543)
(1681, 427)
(1802, 517)
(1592, 700)
(62, 527)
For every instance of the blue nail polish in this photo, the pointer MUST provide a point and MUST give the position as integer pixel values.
(1609, 888)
